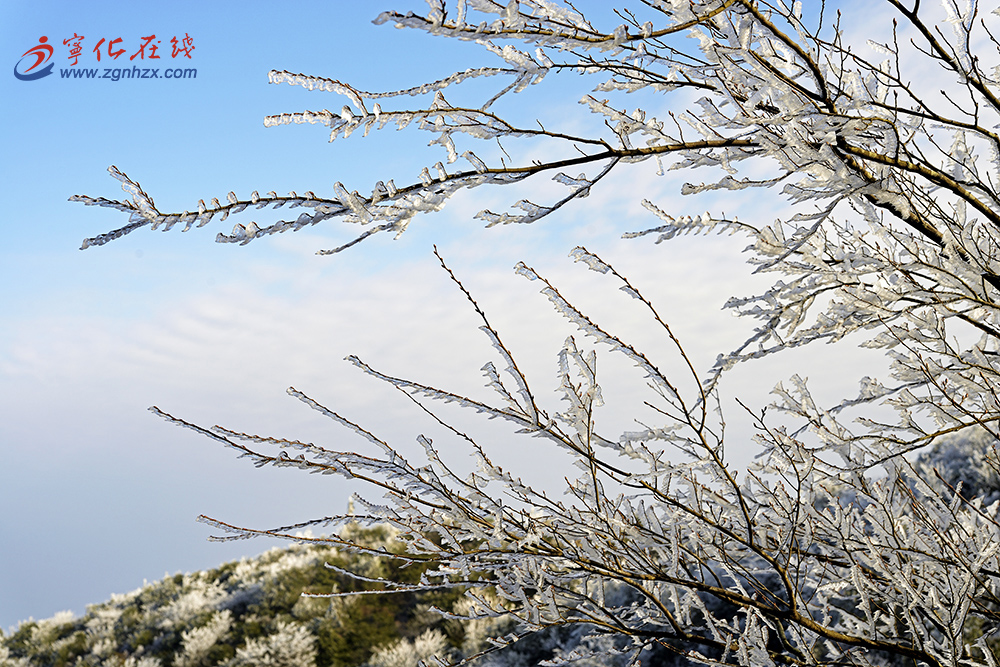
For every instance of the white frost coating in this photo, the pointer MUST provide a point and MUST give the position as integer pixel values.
(593, 262)
(526, 406)
(353, 202)
(476, 163)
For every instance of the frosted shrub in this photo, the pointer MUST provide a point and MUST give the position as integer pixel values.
(6, 660)
(139, 661)
(291, 646)
(407, 653)
(198, 641)
(200, 596)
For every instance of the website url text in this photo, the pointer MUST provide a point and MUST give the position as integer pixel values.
(117, 74)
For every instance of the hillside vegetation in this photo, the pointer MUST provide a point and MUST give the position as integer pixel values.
(252, 613)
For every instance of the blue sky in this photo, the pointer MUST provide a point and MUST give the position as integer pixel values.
(96, 494)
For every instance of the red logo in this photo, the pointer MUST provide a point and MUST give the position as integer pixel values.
(35, 56)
